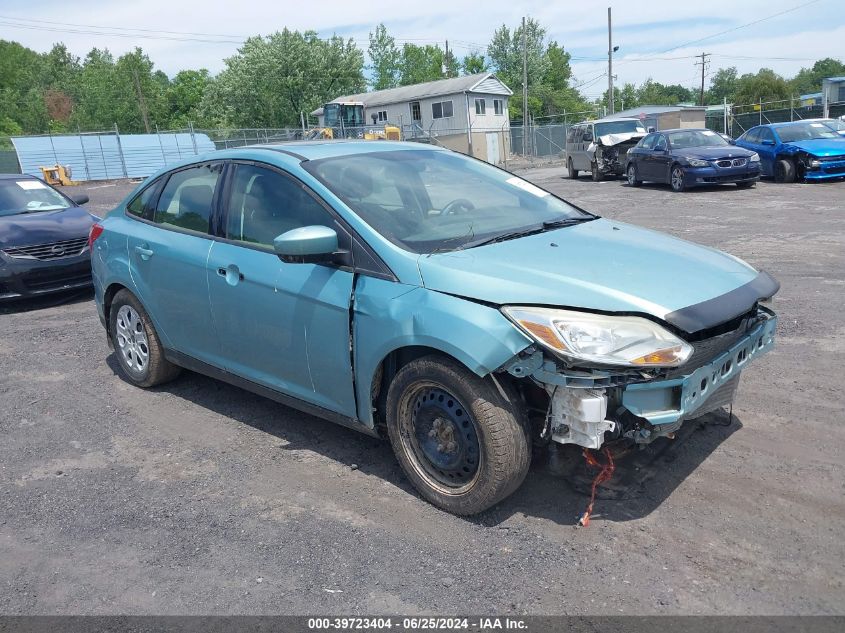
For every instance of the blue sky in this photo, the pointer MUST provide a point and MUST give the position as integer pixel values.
(651, 35)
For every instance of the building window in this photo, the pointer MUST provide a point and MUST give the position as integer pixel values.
(382, 115)
(481, 106)
(415, 111)
(498, 106)
(441, 110)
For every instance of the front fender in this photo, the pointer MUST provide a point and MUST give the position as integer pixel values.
(389, 316)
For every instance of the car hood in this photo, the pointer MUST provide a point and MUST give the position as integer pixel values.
(712, 153)
(604, 266)
(44, 227)
(821, 146)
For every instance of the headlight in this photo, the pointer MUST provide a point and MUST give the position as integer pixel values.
(755, 158)
(697, 162)
(607, 340)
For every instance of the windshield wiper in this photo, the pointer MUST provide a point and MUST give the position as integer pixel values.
(545, 226)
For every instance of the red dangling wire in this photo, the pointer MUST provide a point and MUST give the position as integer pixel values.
(605, 473)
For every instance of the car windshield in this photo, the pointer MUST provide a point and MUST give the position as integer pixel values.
(431, 200)
(695, 138)
(619, 127)
(28, 195)
(805, 132)
(834, 124)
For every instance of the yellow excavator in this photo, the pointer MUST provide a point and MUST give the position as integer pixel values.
(346, 120)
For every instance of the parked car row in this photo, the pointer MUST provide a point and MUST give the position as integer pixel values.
(685, 158)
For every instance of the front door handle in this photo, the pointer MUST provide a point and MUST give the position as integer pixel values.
(144, 252)
(232, 274)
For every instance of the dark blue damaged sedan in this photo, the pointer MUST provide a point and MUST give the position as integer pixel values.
(691, 158)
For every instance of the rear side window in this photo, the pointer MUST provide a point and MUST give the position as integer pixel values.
(141, 205)
(186, 200)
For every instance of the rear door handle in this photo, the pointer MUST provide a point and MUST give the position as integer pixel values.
(144, 252)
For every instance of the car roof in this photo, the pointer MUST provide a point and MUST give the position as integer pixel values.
(315, 150)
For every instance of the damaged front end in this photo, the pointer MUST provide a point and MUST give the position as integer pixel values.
(575, 403)
(610, 152)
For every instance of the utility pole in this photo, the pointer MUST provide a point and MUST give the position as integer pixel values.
(524, 84)
(142, 105)
(703, 64)
(446, 61)
(609, 62)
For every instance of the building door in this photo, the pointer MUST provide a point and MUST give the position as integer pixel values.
(416, 113)
(493, 148)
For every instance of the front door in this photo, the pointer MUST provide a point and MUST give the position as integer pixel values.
(167, 260)
(284, 326)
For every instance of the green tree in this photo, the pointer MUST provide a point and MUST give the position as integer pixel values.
(270, 80)
(474, 63)
(385, 58)
(506, 54)
(723, 86)
(653, 92)
(809, 80)
(419, 64)
(765, 85)
(184, 95)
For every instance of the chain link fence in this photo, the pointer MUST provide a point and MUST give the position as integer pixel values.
(735, 120)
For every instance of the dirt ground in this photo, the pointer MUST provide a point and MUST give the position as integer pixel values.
(199, 498)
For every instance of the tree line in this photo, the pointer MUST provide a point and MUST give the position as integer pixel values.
(272, 79)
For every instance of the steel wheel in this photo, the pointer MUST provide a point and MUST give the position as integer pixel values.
(131, 339)
(442, 437)
(677, 178)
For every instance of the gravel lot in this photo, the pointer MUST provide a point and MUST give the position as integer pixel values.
(201, 498)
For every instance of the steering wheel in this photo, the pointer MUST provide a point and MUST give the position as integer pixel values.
(461, 205)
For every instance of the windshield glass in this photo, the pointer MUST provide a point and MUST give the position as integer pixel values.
(805, 132)
(429, 200)
(695, 138)
(619, 127)
(29, 196)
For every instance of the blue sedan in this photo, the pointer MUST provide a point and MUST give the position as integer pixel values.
(415, 293)
(691, 158)
(788, 152)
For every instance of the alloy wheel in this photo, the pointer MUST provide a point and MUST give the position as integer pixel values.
(131, 339)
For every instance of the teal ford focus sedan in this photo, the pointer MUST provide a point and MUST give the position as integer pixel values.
(412, 292)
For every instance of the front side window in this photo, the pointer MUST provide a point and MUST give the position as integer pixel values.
(660, 143)
(28, 195)
(498, 106)
(648, 141)
(429, 200)
(766, 135)
(187, 198)
(264, 203)
(441, 110)
(480, 106)
(752, 135)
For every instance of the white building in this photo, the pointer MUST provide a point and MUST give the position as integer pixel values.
(468, 114)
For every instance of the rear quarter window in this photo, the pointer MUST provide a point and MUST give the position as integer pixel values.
(141, 205)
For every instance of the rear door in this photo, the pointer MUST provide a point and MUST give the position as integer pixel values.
(168, 250)
(281, 325)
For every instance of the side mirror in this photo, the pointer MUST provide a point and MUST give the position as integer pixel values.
(651, 130)
(307, 245)
(80, 198)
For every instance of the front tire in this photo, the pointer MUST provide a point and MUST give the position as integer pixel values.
(595, 173)
(460, 440)
(784, 171)
(631, 173)
(676, 179)
(136, 344)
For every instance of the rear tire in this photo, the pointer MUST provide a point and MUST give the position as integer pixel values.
(460, 440)
(784, 171)
(136, 344)
(571, 171)
(631, 172)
